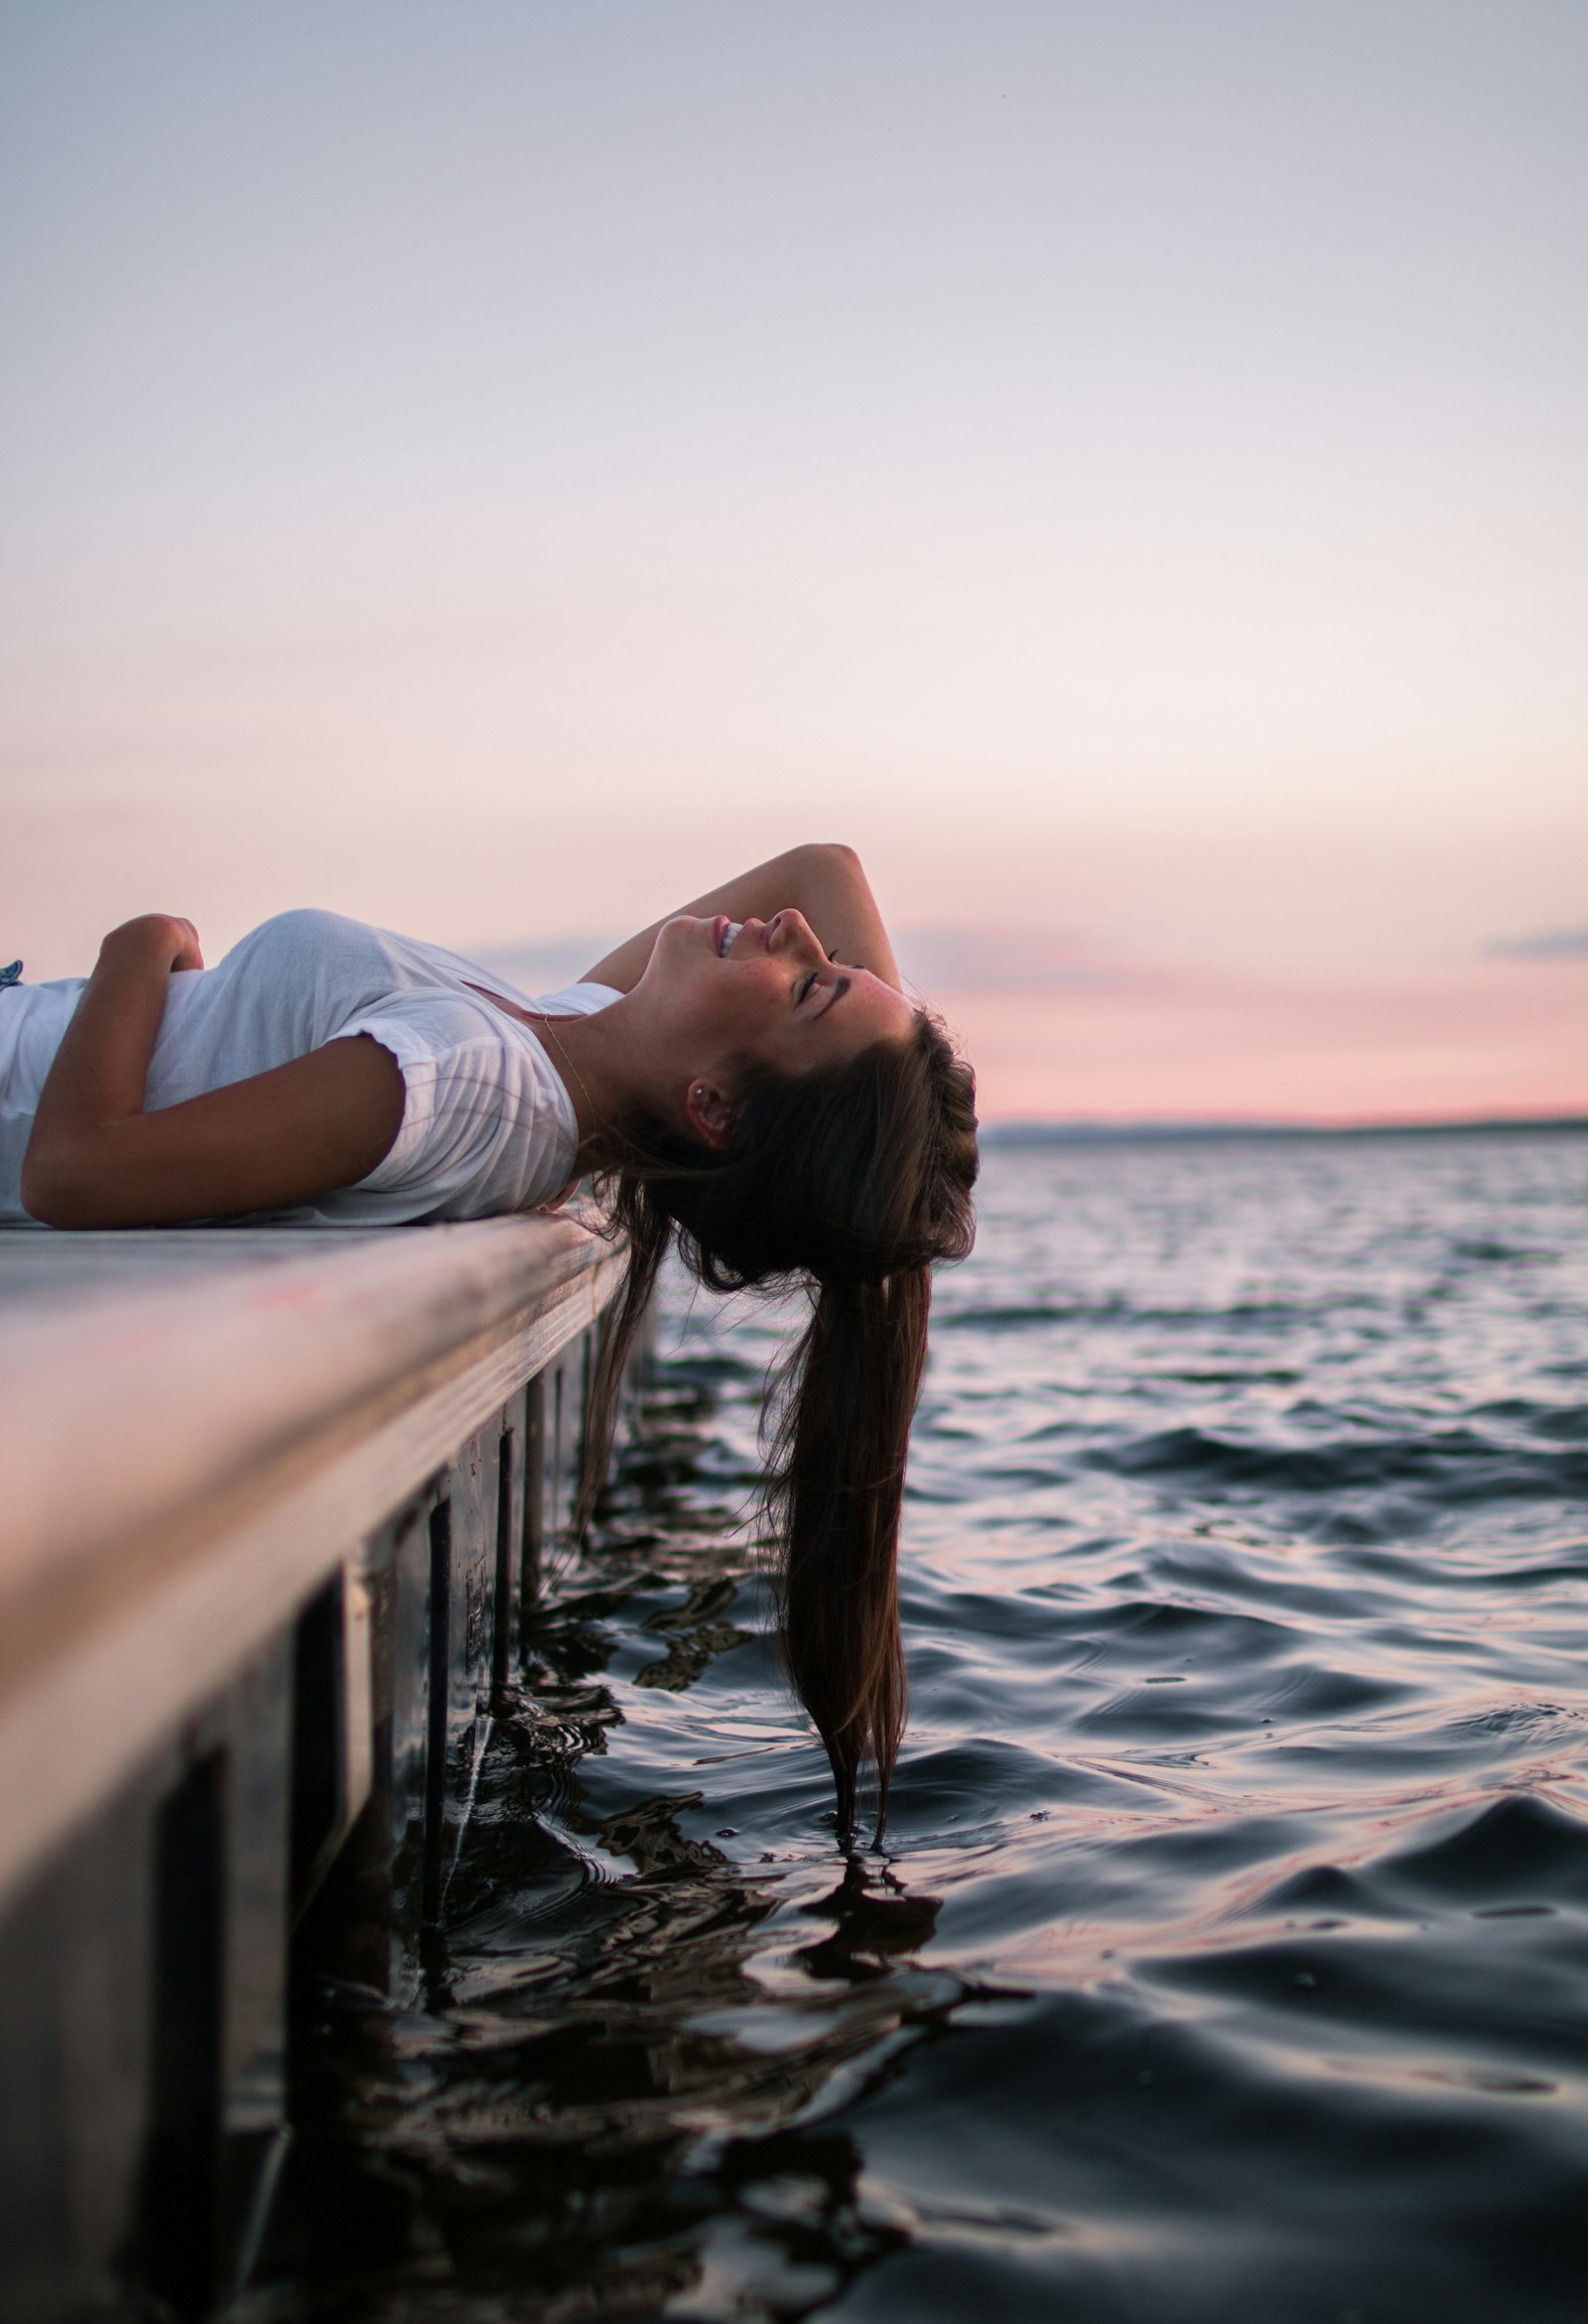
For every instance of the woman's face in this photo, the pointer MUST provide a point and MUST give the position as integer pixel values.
(765, 991)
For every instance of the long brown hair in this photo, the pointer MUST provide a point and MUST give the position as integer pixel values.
(852, 1180)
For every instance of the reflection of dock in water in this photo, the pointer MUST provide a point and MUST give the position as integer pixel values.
(273, 1504)
(602, 2076)
(615, 2088)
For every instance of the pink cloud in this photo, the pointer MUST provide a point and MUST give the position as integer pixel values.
(1501, 1037)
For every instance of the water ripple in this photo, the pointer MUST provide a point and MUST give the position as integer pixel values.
(1230, 1956)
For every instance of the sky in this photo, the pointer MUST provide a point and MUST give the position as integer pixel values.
(495, 469)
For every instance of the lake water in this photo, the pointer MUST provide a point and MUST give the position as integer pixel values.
(1229, 1955)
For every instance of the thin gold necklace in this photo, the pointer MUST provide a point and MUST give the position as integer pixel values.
(594, 1119)
(537, 1020)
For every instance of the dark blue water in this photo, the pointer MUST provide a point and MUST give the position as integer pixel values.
(1229, 1958)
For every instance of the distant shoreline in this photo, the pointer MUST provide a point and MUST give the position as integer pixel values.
(1093, 1134)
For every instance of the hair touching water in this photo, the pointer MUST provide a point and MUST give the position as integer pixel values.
(854, 1180)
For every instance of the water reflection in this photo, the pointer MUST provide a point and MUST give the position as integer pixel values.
(609, 2104)
(1237, 1884)
(874, 1923)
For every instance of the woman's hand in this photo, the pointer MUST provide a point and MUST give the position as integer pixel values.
(159, 935)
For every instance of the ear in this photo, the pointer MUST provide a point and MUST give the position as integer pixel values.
(709, 1112)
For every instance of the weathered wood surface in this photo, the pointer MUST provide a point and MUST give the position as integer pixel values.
(193, 1430)
(275, 1504)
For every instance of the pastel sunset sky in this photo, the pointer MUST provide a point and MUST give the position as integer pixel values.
(495, 468)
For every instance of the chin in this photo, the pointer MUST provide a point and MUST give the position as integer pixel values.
(674, 934)
(682, 952)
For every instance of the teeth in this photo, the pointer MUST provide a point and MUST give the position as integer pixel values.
(728, 934)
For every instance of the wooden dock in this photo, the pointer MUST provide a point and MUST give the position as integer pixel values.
(274, 1505)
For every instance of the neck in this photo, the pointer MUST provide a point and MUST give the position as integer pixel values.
(596, 1062)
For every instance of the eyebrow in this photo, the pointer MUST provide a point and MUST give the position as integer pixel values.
(839, 990)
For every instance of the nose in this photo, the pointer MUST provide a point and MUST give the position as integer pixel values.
(790, 931)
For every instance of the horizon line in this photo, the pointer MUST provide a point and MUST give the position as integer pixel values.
(1081, 1129)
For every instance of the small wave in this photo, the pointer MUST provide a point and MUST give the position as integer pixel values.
(1445, 1457)
(1521, 1848)
(1224, 1956)
(1018, 1315)
(1523, 1721)
(1330, 1890)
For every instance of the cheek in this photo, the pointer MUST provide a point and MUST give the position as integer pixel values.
(758, 1019)
(716, 1013)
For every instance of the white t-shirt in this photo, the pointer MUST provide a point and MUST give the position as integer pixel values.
(487, 1124)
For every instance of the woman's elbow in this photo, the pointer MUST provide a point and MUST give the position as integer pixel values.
(62, 1189)
(829, 866)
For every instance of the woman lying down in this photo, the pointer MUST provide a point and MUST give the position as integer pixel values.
(746, 1080)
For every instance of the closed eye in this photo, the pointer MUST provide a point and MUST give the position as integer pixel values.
(835, 993)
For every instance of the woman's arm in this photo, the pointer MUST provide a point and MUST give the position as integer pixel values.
(824, 881)
(95, 1158)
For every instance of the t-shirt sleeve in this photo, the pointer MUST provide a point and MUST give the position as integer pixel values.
(480, 1124)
